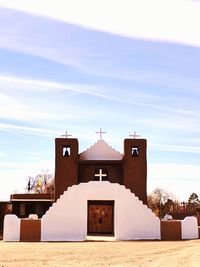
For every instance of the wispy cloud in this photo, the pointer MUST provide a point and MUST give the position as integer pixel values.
(7, 99)
(182, 121)
(124, 58)
(3, 155)
(29, 166)
(176, 148)
(93, 90)
(23, 106)
(32, 130)
(143, 19)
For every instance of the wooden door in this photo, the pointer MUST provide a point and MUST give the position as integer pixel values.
(100, 217)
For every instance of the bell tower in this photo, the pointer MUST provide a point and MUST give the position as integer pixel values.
(135, 167)
(66, 164)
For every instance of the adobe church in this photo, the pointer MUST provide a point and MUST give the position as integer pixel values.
(101, 162)
(98, 191)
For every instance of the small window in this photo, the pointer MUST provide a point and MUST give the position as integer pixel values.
(66, 151)
(135, 151)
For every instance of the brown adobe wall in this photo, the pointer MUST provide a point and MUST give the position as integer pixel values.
(30, 230)
(171, 230)
(66, 168)
(31, 196)
(198, 220)
(135, 168)
(112, 168)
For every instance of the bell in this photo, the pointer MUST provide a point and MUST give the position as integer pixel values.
(66, 153)
(135, 152)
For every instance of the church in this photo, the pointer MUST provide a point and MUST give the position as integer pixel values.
(101, 163)
(99, 191)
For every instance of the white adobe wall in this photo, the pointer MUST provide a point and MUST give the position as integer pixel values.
(135, 220)
(11, 230)
(189, 228)
(66, 220)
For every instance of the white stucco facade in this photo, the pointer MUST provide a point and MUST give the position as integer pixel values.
(66, 220)
(189, 228)
(11, 230)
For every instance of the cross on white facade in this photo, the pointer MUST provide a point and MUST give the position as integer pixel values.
(66, 134)
(134, 135)
(100, 132)
(100, 175)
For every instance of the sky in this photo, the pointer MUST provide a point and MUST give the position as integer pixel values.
(123, 66)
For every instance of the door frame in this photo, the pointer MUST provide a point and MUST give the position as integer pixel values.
(101, 202)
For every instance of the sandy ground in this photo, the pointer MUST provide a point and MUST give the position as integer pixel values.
(99, 253)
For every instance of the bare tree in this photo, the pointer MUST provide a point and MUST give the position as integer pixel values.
(160, 201)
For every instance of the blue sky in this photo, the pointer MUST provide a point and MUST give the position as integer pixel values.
(114, 66)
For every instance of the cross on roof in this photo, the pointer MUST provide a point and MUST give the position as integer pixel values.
(134, 135)
(100, 175)
(100, 132)
(66, 134)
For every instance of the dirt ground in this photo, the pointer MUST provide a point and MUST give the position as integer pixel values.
(127, 253)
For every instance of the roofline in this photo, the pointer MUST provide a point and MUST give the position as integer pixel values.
(31, 200)
(101, 161)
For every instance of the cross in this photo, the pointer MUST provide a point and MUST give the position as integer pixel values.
(100, 175)
(134, 135)
(100, 132)
(66, 134)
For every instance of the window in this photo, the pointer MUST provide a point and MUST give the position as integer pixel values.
(66, 151)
